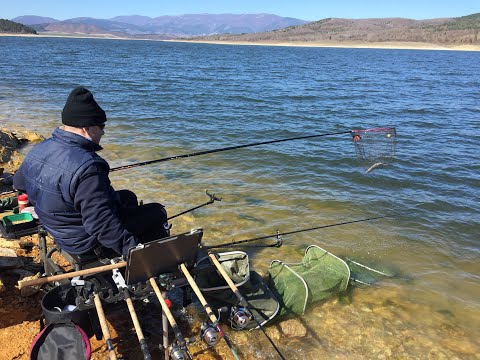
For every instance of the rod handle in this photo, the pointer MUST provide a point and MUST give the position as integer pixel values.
(137, 326)
(167, 312)
(103, 323)
(229, 281)
(199, 294)
(69, 275)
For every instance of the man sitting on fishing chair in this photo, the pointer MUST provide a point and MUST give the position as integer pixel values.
(67, 182)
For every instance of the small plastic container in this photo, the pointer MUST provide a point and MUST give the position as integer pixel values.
(17, 222)
(22, 201)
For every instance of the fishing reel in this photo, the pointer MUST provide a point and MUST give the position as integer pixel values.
(240, 317)
(210, 334)
(178, 352)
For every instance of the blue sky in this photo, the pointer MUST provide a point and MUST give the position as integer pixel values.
(302, 9)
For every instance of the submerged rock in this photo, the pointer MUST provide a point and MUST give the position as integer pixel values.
(293, 328)
(273, 332)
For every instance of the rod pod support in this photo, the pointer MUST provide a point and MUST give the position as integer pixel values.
(122, 286)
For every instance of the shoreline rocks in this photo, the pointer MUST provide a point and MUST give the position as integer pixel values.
(11, 141)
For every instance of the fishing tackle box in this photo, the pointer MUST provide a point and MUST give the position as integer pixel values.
(18, 225)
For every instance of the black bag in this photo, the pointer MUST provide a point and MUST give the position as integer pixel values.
(61, 342)
(65, 331)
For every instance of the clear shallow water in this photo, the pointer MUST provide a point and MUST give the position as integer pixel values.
(165, 99)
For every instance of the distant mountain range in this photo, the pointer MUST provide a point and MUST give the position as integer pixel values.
(168, 26)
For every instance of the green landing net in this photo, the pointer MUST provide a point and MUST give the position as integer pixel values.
(319, 276)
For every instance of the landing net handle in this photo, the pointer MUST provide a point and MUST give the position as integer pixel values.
(375, 145)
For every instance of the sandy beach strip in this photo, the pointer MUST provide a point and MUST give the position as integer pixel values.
(352, 45)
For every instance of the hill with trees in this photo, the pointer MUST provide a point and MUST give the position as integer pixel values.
(449, 31)
(11, 27)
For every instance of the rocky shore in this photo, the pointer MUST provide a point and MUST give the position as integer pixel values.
(19, 310)
(11, 140)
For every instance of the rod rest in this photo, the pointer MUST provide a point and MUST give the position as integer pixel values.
(109, 293)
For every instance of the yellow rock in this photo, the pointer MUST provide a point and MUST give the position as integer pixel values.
(293, 328)
(273, 332)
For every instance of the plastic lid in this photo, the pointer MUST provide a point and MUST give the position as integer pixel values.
(22, 197)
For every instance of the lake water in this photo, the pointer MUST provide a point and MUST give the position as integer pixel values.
(166, 98)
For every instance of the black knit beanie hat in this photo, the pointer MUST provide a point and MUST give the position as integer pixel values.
(81, 109)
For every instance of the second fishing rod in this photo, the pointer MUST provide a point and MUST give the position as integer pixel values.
(228, 148)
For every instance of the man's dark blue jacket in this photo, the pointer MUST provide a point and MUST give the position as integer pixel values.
(68, 184)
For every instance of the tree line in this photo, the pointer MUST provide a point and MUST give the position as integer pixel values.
(7, 26)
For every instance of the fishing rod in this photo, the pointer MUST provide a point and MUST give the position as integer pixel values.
(103, 323)
(279, 234)
(212, 331)
(180, 349)
(224, 149)
(122, 264)
(212, 197)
